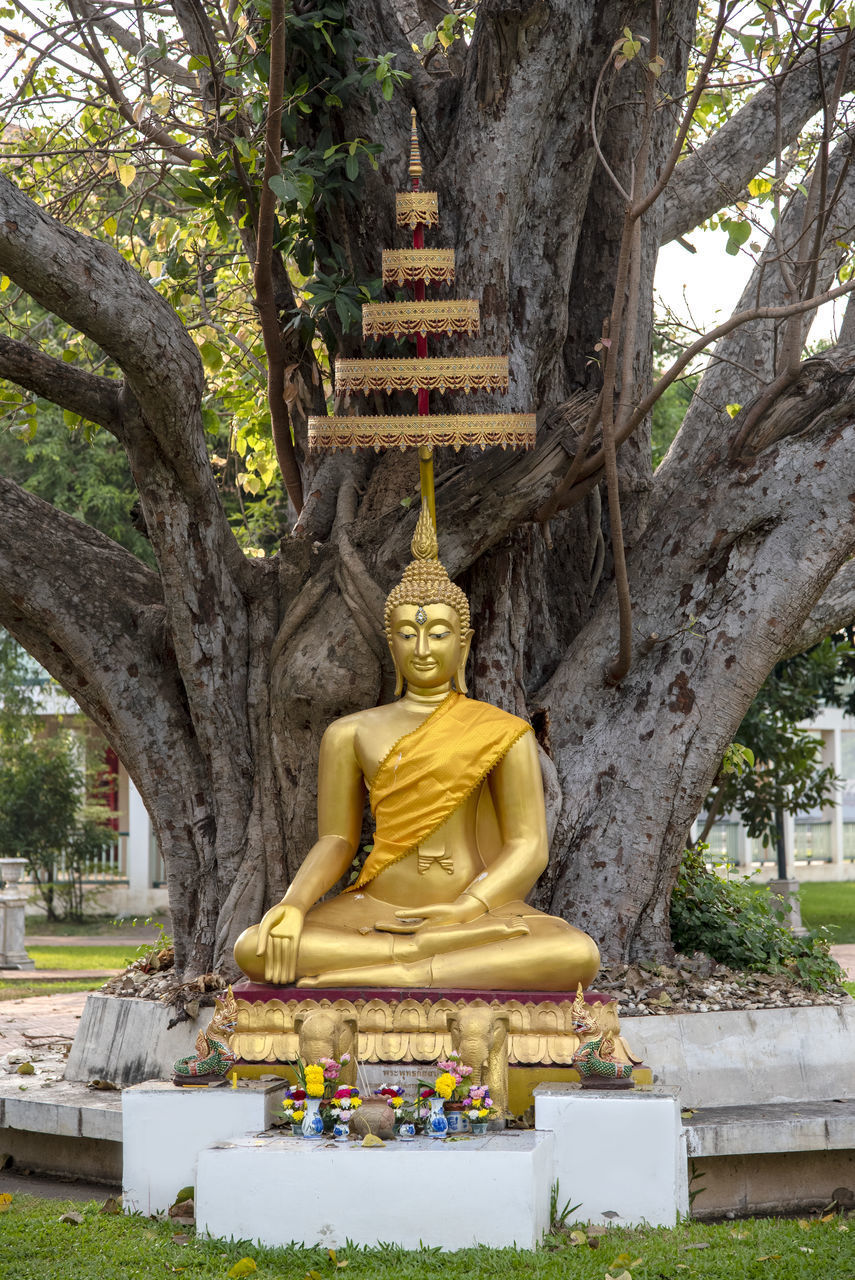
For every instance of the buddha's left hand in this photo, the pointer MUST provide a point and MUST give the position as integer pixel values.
(461, 911)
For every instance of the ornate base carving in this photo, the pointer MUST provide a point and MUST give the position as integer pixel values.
(496, 1028)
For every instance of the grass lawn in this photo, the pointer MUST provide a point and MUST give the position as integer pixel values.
(81, 957)
(35, 1245)
(833, 904)
(85, 958)
(100, 926)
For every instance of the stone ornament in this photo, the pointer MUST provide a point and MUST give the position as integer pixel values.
(539, 1033)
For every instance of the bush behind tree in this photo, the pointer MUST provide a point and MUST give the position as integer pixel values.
(740, 924)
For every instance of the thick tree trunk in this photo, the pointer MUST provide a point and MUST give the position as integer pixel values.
(215, 678)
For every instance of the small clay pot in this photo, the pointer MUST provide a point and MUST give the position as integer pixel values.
(374, 1116)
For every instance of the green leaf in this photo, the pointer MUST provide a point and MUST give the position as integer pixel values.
(212, 356)
(351, 167)
(305, 188)
(111, 226)
(283, 186)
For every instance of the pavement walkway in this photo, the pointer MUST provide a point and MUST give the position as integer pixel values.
(40, 1022)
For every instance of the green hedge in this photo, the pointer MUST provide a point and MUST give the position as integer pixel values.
(740, 925)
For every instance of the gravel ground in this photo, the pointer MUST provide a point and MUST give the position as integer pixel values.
(693, 984)
(697, 984)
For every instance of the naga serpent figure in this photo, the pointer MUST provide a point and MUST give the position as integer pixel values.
(456, 793)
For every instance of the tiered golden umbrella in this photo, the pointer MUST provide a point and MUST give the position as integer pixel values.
(416, 268)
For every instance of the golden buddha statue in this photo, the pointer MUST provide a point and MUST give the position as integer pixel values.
(456, 793)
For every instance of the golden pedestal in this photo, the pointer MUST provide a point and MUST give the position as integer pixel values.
(512, 1040)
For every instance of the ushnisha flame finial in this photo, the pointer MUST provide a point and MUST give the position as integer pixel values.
(415, 169)
(426, 579)
(424, 545)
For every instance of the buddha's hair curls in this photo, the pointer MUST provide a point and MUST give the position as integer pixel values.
(425, 580)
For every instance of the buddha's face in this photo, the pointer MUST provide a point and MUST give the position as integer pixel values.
(427, 646)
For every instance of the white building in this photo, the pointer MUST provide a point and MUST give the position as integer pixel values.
(820, 845)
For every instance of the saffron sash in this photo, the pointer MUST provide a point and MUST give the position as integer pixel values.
(430, 772)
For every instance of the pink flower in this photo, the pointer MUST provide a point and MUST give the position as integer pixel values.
(332, 1069)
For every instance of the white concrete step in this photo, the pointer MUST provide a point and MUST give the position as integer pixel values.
(765, 1129)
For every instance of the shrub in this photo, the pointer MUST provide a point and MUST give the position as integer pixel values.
(740, 925)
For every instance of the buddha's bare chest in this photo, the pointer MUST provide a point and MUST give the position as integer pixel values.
(376, 736)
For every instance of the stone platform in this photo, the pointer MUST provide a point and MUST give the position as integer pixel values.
(620, 1155)
(451, 1195)
(164, 1129)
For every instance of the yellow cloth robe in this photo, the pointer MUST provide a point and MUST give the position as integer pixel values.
(430, 772)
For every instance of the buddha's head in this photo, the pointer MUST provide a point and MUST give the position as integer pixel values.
(427, 619)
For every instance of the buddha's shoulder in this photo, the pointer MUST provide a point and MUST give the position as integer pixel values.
(471, 706)
(347, 727)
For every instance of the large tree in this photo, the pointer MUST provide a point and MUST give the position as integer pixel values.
(631, 615)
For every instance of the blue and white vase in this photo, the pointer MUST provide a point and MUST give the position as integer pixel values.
(341, 1128)
(313, 1124)
(458, 1122)
(407, 1131)
(437, 1125)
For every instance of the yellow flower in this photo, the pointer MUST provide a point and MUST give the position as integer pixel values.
(297, 1116)
(483, 1114)
(445, 1084)
(396, 1102)
(315, 1081)
(356, 1102)
(287, 1103)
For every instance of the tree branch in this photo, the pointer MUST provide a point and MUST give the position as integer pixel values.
(153, 132)
(834, 610)
(94, 398)
(263, 270)
(165, 67)
(89, 285)
(593, 465)
(718, 172)
(49, 562)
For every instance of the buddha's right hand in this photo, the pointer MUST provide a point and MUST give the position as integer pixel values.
(279, 941)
